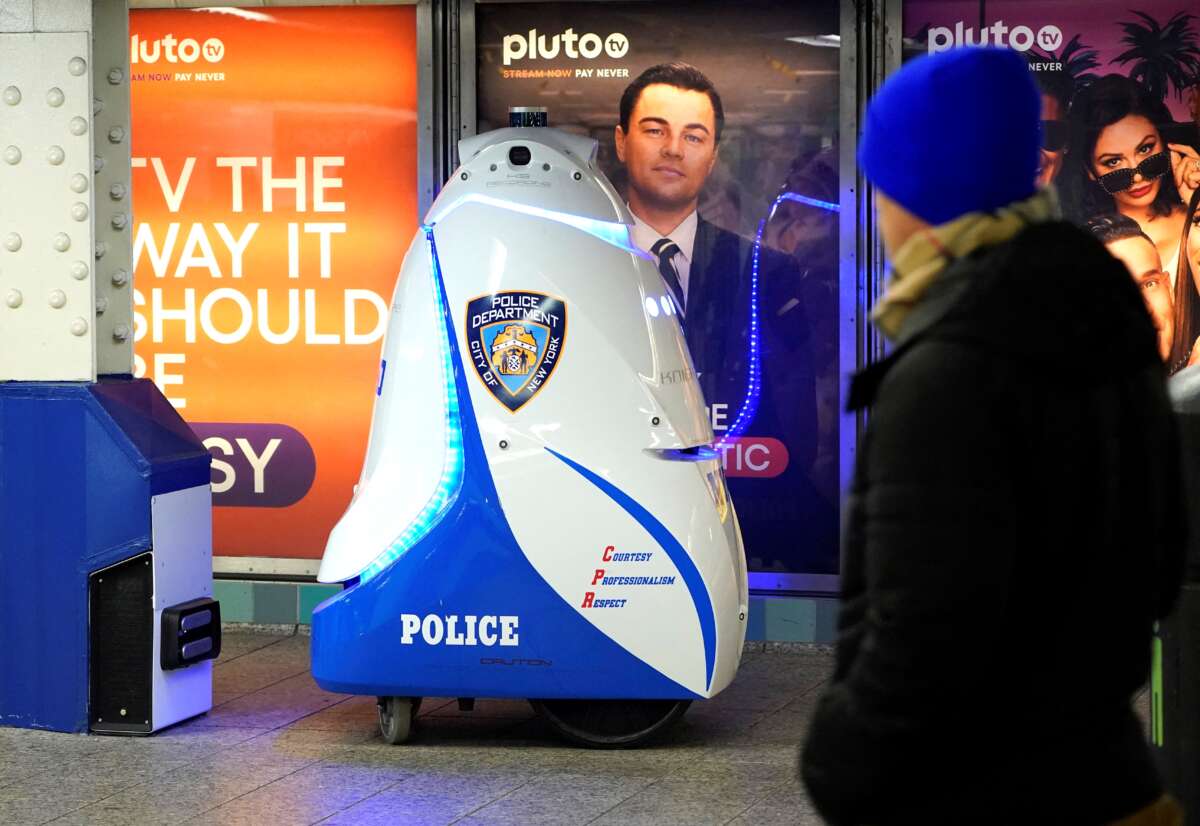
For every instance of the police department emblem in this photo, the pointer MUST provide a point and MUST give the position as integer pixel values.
(516, 340)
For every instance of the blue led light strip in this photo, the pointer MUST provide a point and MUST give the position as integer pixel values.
(754, 379)
(804, 199)
(699, 453)
(609, 232)
(452, 468)
(754, 371)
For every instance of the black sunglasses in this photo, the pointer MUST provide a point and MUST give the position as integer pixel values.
(1054, 135)
(1152, 167)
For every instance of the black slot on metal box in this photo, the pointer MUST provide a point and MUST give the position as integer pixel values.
(191, 633)
(121, 629)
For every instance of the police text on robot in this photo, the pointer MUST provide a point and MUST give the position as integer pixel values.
(451, 629)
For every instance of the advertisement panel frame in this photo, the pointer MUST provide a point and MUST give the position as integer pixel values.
(877, 29)
(426, 140)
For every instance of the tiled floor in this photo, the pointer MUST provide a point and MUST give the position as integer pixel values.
(277, 749)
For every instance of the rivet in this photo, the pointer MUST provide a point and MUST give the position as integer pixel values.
(77, 66)
(120, 278)
(13, 299)
(79, 183)
(57, 299)
(121, 332)
(577, 176)
(55, 97)
(545, 167)
(101, 248)
(79, 327)
(12, 155)
(119, 221)
(12, 96)
(101, 305)
(116, 191)
(492, 167)
(97, 106)
(79, 211)
(97, 163)
(55, 155)
(503, 444)
(12, 242)
(116, 134)
(79, 270)
(464, 176)
(122, 712)
(62, 242)
(115, 76)
(656, 421)
(78, 126)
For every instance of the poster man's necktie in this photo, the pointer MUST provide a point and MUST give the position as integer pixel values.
(666, 249)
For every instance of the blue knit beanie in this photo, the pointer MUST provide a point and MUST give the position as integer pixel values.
(955, 132)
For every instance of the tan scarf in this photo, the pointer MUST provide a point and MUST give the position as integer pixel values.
(923, 257)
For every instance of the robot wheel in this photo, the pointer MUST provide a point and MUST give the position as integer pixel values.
(610, 724)
(396, 715)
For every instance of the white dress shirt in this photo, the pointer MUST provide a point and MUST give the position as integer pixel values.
(684, 236)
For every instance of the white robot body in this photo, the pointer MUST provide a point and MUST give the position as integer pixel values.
(582, 427)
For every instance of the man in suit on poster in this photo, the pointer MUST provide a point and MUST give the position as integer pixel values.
(671, 119)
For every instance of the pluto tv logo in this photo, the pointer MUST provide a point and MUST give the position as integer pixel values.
(1019, 38)
(570, 45)
(170, 49)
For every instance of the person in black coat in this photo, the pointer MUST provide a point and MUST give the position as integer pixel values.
(671, 119)
(1014, 526)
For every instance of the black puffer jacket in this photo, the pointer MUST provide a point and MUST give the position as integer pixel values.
(1012, 533)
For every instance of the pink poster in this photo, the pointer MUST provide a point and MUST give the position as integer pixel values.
(1120, 88)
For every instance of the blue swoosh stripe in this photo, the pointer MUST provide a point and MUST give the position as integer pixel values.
(677, 553)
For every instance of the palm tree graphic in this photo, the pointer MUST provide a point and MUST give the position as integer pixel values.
(1162, 56)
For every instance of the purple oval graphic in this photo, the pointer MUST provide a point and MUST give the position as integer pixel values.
(257, 465)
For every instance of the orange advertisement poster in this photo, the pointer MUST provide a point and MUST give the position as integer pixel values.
(274, 196)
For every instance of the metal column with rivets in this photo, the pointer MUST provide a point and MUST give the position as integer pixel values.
(65, 250)
(107, 621)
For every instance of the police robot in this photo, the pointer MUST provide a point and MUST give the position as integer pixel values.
(541, 513)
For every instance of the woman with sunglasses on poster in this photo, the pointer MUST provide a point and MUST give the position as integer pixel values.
(1120, 162)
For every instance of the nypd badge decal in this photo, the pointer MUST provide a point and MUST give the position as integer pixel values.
(516, 340)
